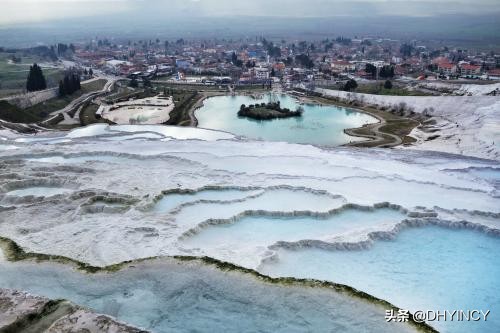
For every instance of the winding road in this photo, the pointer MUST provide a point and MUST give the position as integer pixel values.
(79, 102)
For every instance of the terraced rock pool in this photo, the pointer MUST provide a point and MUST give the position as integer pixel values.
(428, 268)
(417, 229)
(322, 125)
(175, 296)
(38, 191)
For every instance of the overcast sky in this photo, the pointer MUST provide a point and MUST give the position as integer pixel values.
(19, 11)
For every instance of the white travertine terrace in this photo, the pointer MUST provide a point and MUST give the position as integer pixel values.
(467, 125)
(120, 193)
(151, 110)
(116, 181)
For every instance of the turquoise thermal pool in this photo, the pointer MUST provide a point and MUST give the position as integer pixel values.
(321, 125)
(175, 296)
(428, 268)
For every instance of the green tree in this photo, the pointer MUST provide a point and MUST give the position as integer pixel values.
(387, 72)
(304, 60)
(388, 84)
(69, 84)
(36, 80)
(62, 91)
(234, 58)
(371, 69)
(350, 85)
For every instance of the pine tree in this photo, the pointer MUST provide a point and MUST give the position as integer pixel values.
(70, 84)
(62, 91)
(67, 85)
(36, 80)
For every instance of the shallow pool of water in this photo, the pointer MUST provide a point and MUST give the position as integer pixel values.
(38, 191)
(429, 268)
(276, 200)
(174, 200)
(173, 296)
(261, 231)
(77, 159)
(322, 125)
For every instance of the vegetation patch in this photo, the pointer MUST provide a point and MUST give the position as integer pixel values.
(185, 101)
(13, 114)
(15, 67)
(42, 110)
(395, 128)
(268, 111)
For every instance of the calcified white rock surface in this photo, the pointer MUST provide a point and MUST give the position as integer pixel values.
(461, 89)
(152, 110)
(31, 313)
(136, 192)
(468, 125)
(121, 197)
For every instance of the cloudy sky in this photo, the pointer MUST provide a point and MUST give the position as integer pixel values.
(20, 11)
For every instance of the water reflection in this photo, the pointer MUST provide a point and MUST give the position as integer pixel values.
(322, 125)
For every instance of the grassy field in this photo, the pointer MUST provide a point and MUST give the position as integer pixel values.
(13, 76)
(87, 115)
(11, 113)
(184, 102)
(377, 89)
(43, 109)
(93, 86)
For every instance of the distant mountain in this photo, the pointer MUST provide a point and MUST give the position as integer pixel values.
(472, 29)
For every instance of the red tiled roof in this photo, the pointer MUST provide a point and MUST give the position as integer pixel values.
(341, 62)
(470, 67)
(495, 71)
(445, 65)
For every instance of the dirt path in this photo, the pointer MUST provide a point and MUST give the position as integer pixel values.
(389, 131)
(79, 102)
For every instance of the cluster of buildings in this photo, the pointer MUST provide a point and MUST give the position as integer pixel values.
(257, 61)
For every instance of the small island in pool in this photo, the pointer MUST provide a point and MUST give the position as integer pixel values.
(268, 111)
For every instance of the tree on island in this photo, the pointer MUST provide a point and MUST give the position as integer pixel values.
(388, 84)
(272, 110)
(36, 80)
(350, 85)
